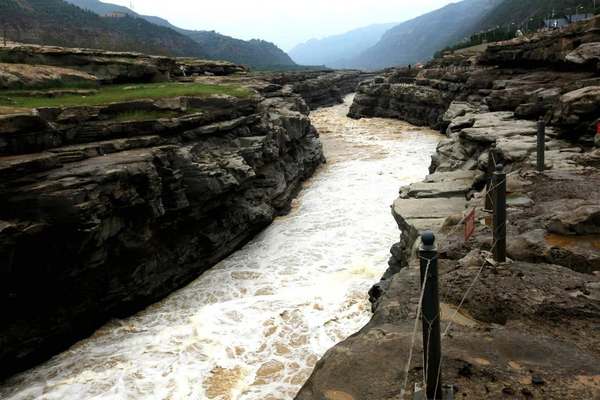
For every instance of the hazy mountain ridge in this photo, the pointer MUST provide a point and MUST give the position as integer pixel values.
(256, 53)
(417, 40)
(337, 51)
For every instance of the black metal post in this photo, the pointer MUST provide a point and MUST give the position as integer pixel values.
(432, 343)
(541, 145)
(499, 183)
(489, 194)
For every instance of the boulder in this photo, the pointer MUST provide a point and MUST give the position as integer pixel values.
(577, 112)
(23, 76)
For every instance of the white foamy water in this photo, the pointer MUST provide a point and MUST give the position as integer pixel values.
(253, 327)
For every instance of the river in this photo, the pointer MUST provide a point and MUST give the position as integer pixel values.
(253, 327)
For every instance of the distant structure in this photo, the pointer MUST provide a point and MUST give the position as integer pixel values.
(115, 14)
(556, 23)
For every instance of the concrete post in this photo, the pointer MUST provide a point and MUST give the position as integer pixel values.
(541, 145)
(499, 183)
(432, 343)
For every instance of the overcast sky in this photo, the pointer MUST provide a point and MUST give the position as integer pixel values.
(284, 22)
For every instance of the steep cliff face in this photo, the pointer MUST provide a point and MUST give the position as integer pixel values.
(101, 215)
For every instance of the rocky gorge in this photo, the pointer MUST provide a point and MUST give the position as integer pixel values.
(107, 207)
(522, 329)
(113, 206)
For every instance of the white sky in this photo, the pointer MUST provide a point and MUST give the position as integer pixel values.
(284, 22)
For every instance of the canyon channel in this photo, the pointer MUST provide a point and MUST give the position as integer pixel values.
(254, 326)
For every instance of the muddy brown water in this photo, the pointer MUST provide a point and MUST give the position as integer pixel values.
(253, 327)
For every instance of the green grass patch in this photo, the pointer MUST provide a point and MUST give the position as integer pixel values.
(123, 93)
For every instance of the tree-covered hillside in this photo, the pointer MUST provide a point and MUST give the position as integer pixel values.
(54, 22)
(255, 53)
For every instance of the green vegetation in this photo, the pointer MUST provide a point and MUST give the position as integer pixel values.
(122, 93)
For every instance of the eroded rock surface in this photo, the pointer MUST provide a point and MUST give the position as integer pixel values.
(114, 67)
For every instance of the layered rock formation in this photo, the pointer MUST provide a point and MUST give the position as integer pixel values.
(532, 76)
(114, 67)
(320, 88)
(521, 329)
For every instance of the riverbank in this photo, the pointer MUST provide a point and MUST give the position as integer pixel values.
(523, 329)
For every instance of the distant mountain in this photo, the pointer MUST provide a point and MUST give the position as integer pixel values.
(417, 40)
(337, 51)
(54, 22)
(256, 53)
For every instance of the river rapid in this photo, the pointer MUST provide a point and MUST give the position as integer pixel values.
(253, 327)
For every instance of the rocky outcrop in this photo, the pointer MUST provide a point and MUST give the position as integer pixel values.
(529, 76)
(101, 215)
(320, 88)
(113, 67)
(573, 48)
(418, 104)
(23, 76)
(577, 111)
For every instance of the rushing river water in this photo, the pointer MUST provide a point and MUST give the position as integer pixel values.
(253, 327)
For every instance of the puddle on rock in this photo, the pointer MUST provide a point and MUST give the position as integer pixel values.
(254, 326)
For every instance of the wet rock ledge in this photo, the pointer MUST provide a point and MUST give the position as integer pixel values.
(106, 209)
(523, 329)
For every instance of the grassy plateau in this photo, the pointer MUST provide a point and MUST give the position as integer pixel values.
(121, 93)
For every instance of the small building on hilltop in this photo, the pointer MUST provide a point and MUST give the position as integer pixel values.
(561, 22)
(115, 14)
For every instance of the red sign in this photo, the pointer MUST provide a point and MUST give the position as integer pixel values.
(598, 128)
(470, 225)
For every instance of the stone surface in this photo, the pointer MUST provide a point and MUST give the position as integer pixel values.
(21, 76)
(579, 110)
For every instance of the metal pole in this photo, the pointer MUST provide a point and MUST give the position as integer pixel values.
(432, 343)
(499, 182)
(541, 145)
(489, 194)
